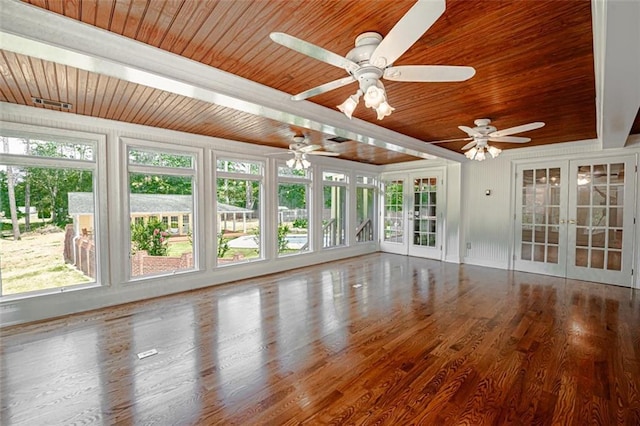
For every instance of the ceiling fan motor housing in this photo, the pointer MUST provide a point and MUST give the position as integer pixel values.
(366, 44)
(483, 127)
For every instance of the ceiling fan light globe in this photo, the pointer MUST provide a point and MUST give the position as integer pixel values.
(291, 163)
(480, 156)
(384, 109)
(305, 164)
(350, 104)
(494, 151)
(471, 154)
(374, 96)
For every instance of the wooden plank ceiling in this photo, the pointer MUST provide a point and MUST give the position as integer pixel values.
(533, 61)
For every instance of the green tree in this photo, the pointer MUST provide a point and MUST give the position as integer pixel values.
(160, 184)
(292, 195)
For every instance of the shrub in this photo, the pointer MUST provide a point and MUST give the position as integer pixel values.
(223, 245)
(283, 244)
(151, 236)
(283, 230)
(301, 223)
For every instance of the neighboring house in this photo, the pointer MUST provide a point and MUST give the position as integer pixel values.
(173, 210)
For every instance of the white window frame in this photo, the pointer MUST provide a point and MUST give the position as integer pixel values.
(346, 213)
(194, 172)
(265, 252)
(374, 186)
(98, 166)
(308, 181)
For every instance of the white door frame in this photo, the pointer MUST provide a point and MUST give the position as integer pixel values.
(568, 226)
(408, 217)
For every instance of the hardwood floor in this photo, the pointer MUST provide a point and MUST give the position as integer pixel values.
(379, 339)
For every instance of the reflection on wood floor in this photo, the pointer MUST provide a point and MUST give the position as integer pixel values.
(378, 339)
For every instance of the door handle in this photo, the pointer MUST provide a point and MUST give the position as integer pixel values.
(572, 221)
(562, 221)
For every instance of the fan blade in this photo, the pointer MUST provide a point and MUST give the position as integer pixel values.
(429, 73)
(325, 153)
(314, 51)
(517, 129)
(323, 88)
(469, 145)
(308, 148)
(471, 132)
(509, 139)
(451, 140)
(407, 31)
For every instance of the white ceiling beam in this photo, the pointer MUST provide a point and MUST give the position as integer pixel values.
(32, 31)
(616, 38)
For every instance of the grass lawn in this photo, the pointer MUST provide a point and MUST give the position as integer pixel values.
(36, 263)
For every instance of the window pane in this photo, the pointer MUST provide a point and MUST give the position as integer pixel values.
(393, 213)
(238, 220)
(365, 180)
(156, 203)
(289, 172)
(233, 166)
(364, 214)
(293, 218)
(334, 216)
(334, 177)
(160, 159)
(54, 209)
(43, 148)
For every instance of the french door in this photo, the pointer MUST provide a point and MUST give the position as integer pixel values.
(412, 220)
(575, 219)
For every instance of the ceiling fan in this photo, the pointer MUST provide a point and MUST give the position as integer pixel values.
(300, 149)
(373, 57)
(485, 132)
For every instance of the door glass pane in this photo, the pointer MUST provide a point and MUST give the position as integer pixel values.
(616, 195)
(553, 215)
(424, 212)
(540, 207)
(582, 237)
(616, 173)
(614, 260)
(600, 194)
(583, 196)
(615, 239)
(598, 237)
(597, 259)
(393, 213)
(598, 216)
(615, 217)
(600, 174)
(552, 254)
(581, 256)
(538, 253)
